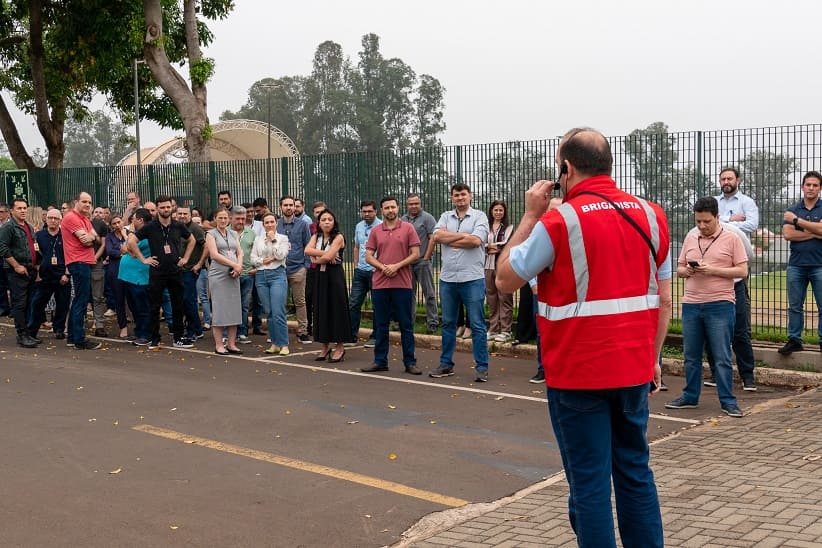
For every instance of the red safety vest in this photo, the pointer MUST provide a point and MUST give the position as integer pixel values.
(599, 303)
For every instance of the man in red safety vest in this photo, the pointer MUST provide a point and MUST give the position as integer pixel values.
(596, 258)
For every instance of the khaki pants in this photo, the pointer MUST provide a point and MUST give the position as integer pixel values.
(296, 282)
(500, 305)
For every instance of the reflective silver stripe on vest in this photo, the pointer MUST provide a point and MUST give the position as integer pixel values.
(579, 260)
(653, 287)
(599, 308)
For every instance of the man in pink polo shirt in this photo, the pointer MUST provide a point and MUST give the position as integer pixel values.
(390, 249)
(78, 248)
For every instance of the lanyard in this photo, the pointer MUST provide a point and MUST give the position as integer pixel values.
(713, 241)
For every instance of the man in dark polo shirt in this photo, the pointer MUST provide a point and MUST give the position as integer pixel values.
(802, 226)
(191, 271)
(165, 240)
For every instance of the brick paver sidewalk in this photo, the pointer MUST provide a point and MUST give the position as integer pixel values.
(753, 482)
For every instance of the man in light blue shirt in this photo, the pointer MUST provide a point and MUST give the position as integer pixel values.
(734, 207)
(361, 284)
(462, 232)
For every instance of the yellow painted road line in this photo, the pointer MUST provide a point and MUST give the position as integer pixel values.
(288, 462)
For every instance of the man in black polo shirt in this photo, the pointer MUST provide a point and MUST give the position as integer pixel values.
(165, 240)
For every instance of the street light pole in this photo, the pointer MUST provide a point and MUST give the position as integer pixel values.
(137, 116)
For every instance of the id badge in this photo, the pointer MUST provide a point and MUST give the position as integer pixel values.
(54, 261)
(322, 267)
(36, 246)
(167, 249)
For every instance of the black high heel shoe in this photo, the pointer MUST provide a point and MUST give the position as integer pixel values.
(323, 357)
(337, 360)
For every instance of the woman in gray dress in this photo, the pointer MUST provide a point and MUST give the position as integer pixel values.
(224, 283)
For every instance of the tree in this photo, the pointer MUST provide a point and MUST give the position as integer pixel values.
(97, 140)
(377, 104)
(766, 177)
(509, 173)
(656, 176)
(54, 56)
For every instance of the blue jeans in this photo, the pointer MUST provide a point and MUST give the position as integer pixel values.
(394, 303)
(246, 285)
(360, 286)
(601, 436)
(202, 295)
(713, 324)
(138, 302)
(742, 335)
(81, 279)
(272, 289)
(191, 312)
(472, 294)
(797, 279)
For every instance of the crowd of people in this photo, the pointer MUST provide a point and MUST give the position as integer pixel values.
(600, 323)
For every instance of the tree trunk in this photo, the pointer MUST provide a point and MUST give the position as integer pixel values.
(190, 104)
(22, 159)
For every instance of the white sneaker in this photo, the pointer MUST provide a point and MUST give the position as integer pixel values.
(243, 339)
(503, 337)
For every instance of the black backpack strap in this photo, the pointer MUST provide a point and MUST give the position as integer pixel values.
(627, 218)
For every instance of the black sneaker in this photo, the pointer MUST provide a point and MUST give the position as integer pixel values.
(710, 381)
(733, 410)
(59, 335)
(88, 345)
(154, 344)
(662, 386)
(748, 385)
(482, 376)
(370, 343)
(680, 403)
(183, 343)
(539, 378)
(139, 341)
(413, 370)
(304, 338)
(441, 371)
(791, 346)
(258, 331)
(431, 329)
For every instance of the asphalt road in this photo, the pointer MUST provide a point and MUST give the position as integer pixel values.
(128, 447)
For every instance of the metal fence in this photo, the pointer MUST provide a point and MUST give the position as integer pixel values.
(672, 169)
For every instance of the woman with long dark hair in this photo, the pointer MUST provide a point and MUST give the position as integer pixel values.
(500, 305)
(331, 321)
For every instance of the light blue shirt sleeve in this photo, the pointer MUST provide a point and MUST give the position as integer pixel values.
(533, 255)
(664, 272)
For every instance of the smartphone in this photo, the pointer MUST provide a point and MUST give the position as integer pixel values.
(693, 264)
(652, 386)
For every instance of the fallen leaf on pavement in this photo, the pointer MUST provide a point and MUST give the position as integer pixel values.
(392, 407)
(392, 456)
(353, 422)
(498, 398)
(116, 471)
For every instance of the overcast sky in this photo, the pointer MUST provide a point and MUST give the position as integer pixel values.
(519, 70)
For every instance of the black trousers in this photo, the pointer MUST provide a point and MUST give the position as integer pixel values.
(22, 290)
(157, 283)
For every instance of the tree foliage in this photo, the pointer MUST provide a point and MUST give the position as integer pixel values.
(767, 177)
(375, 104)
(54, 56)
(97, 140)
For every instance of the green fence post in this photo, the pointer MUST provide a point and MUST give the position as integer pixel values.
(212, 181)
(700, 180)
(458, 161)
(284, 176)
(152, 182)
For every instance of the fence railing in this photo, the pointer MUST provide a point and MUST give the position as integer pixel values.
(672, 169)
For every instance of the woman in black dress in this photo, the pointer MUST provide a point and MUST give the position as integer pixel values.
(331, 322)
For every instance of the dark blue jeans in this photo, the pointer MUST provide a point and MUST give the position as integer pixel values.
(138, 302)
(360, 286)
(472, 295)
(81, 280)
(798, 278)
(601, 436)
(398, 304)
(712, 324)
(43, 291)
(191, 312)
